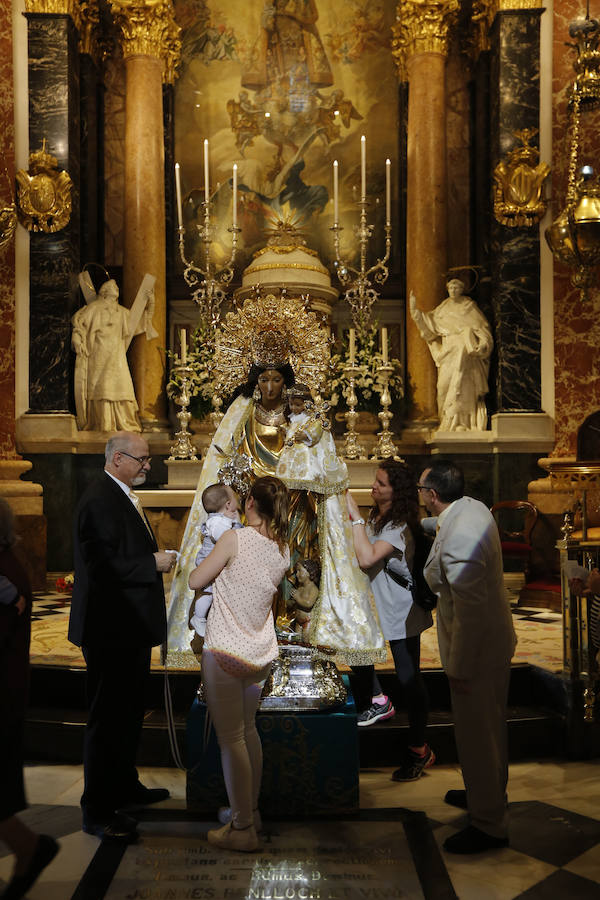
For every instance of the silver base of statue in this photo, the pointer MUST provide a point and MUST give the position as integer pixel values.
(300, 680)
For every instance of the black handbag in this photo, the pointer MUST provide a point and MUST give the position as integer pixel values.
(422, 594)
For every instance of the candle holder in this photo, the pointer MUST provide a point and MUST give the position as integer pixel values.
(360, 293)
(352, 448)
(183, 447)
(385, 445)
(217, 414)
(208, 283)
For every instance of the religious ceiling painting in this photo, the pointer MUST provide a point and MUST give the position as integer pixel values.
(283, 89)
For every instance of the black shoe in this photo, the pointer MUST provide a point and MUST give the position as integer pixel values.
(456, 798)
(118, 827)
(377, 712)
(473, 840)
(45, 851)
(143, 796)
(414, 765)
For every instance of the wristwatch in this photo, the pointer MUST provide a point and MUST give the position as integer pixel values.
(358, 522)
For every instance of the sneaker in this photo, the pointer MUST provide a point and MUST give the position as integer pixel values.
(228, 838)
(414, 765)
(224, 817)
(377, 712)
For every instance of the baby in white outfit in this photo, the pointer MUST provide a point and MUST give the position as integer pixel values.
(221, 503)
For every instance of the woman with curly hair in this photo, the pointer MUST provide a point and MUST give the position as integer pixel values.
(386, 543)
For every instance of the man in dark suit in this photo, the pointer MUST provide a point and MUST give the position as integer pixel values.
(117, 616)
(477, 640)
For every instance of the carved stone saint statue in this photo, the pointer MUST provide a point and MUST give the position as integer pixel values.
(460, 341)
(102, 331)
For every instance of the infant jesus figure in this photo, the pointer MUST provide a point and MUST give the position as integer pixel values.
(308, 575)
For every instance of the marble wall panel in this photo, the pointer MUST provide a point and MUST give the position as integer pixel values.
(458, 140)
(114, 161)
(576, 323)
(92, 163)
(54, 114)
(514, 252)
(7, 253)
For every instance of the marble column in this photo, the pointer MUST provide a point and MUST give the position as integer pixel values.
(515, 252)
(7, 244)
(24, 497)
(420, 47)
(54, 114)
(148, 33)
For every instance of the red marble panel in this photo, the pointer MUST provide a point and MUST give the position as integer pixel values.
(576, 323)
(7, 253)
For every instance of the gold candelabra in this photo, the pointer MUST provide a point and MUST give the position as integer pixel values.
(385, 445)
(360, 293)
(183, 447)
(206, 280)
(353, 449)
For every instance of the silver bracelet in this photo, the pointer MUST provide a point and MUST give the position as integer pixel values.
(358, 522)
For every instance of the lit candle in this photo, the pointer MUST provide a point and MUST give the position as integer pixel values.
(335, 192)
(178, 191)
(388, 192)
(182, 347)
(363, 168)
(384, 346)
(352, 350)
(234, 195)
(206, 181)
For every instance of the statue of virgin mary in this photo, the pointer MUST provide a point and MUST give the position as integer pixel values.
(260, 351)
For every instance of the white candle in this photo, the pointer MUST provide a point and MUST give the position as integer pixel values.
(182, 347)
(206, 181)
(178, 191)
(363, 168)
(335, 192)
(388, 192)
(234, 195)
(384, 346)
(352, 350)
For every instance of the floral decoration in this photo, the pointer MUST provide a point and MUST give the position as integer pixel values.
(367, 385)
(64, 584)
(200, 357)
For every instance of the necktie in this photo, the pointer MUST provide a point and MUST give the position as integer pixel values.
(137, 503)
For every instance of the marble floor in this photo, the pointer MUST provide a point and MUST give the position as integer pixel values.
(392, 851)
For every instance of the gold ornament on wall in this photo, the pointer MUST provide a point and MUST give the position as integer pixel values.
(518, 184)
(8, 218)
(43, 194)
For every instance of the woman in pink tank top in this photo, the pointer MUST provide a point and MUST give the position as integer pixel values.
(246, 565)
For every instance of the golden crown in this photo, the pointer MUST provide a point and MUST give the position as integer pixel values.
(271, 330)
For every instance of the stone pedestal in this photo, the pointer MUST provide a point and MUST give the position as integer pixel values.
(311, 763)
(25, 499)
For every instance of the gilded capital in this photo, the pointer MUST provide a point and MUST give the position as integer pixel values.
(148, 28)
(422, 26)
(70, 8)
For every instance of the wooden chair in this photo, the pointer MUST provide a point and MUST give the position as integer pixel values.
(516, 520)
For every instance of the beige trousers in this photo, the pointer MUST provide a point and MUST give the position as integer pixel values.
(232, 703)
(481, 741)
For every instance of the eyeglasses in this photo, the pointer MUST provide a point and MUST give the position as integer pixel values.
(142, 460)
(424, 487)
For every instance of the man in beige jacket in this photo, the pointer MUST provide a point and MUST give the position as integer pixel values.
(477, 641)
